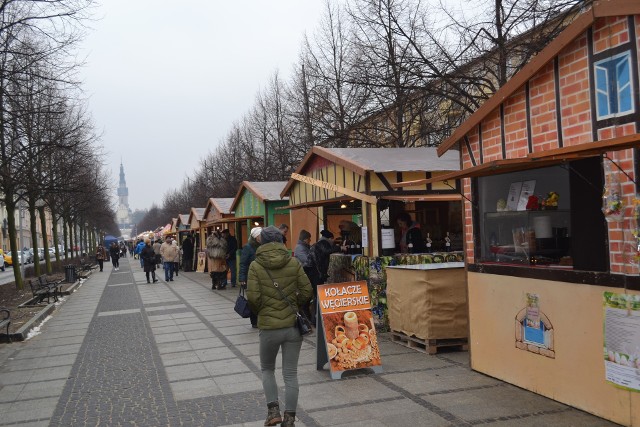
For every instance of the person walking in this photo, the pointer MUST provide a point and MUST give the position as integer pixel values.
(100, 255)
(301, 253)
(318, 265)
(217, 253)
(187, 253)
(176, 260)
(247, 256)
(114, 252)
(168, 254)
(148, 256)
(232, 248)
(156, 249)
(138, 250)
(273, 276)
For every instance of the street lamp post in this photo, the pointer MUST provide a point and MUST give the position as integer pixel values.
(20, 214)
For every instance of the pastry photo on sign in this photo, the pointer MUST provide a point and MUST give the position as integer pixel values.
(352, 342)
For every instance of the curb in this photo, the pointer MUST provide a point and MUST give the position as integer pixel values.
(71, 289)
(21, 334)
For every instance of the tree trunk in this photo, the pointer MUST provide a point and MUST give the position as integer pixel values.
(13, 241)
(34, 238)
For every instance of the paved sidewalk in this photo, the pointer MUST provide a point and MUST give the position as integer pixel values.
(120, 351)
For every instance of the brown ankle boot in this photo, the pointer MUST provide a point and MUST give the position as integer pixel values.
(289, 419)
(273, 415)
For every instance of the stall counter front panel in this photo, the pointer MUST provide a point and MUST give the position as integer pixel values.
(568, 363)
(428, 301)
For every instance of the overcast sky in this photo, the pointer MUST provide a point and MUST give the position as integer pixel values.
(166, 79)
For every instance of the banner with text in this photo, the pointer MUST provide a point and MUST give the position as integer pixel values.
(347, 321)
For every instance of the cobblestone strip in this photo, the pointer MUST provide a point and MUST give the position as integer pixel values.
(117, 378)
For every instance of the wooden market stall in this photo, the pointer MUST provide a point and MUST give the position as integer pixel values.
(198, 228)
(257, 204)
(550, 170)
(217, 209)
(334, 188)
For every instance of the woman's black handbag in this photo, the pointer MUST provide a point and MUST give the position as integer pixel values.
(242, 305)
(302, 323)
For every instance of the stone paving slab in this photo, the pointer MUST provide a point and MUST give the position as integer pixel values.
(177, 354)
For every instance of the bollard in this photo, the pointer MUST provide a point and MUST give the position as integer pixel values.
(70, 273)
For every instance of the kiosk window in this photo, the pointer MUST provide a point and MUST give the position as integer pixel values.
(567, 232)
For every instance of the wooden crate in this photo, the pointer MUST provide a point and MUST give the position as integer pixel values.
(429, 346)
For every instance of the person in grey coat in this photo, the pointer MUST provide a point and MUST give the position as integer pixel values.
(301, 251)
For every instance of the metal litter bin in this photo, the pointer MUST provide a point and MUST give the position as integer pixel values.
(70, 273)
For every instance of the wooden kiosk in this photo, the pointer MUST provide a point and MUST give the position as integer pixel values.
(355, 185)
(550, 284)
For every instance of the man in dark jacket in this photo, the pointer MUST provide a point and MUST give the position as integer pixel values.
(187, 253)
(318, 265)
(232, 248)
(247, 256)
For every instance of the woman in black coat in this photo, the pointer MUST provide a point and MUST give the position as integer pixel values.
(114, 251)
(149, 258)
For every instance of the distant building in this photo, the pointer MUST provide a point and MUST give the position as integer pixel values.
(123, 214)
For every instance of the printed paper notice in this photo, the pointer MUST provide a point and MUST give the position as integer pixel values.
(527, 190)
(622, 340)
(365, 237)
(514, 196)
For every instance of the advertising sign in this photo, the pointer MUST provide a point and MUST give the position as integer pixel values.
(622, 340)
(202, 259)
(348, 332)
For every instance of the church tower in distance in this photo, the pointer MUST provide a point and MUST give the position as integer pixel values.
(123, 215)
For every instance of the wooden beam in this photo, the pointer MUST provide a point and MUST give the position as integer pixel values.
(334, 188)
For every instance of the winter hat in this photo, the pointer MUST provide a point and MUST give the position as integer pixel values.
(304, 234)
(255, 232)
(326, 234)
(270, 234)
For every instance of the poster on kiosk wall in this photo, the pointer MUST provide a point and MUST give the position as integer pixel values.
(347, 333)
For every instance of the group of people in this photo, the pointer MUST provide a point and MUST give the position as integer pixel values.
(154, 254)
(112, 253)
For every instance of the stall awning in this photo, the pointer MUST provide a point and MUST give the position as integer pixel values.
(316, 203)
(534, 160)
(425, 198)
(232, 219)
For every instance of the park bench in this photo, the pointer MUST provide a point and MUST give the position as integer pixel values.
(40, 292)
(6, 320)
(55, 285)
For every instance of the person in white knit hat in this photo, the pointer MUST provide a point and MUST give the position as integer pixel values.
(247, 256)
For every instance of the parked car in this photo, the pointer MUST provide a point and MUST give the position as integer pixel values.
(8, 259)
(28, 256)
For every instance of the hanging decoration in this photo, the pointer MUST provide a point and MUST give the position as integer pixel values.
(612, 204)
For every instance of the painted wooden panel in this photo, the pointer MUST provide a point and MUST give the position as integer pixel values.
(249, 205)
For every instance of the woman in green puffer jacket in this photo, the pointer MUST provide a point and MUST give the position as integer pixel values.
(276, 319)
